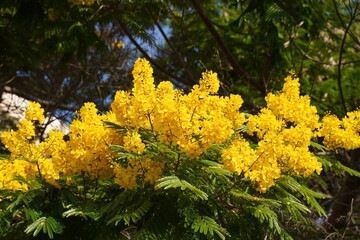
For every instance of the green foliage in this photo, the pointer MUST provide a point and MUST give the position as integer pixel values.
(175, 182)
(198, 200)
(48, 225)
(205, 225)
(334, 165)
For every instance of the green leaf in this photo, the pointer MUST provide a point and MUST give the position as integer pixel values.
(337, 167)
(23, 198)
(120, 129)
(243, 128)
(4, 156)
(117, 148)
(48, 225)
(133, 215)
(318, 146)
(265, 214)
(119, 203)
(37, 225)
(31, 214)
(215, 168)
(248, 197)
(175, 182)
(205, 225)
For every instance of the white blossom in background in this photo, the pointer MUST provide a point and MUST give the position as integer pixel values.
(13, 107)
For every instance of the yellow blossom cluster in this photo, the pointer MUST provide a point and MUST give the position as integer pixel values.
(86, 152)
(343, 133)
(82, 2)
(19, 168)
(191, 121)
(284, 129)
(34, 113)
(133, 143)
(117, 44)
(28, 159)
(147, 169)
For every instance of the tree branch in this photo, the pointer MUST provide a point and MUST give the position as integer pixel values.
(233, 62)
(347, 29)
(343, 23)
(181, 60)
(143, 52)
(29, 97)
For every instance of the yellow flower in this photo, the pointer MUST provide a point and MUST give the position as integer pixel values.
(34, 112)
(284, 129)
(117, 44)
(190, 123)
(341, 133)
(133, 143)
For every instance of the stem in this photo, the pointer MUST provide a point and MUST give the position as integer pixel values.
(256, 160)
(38, 168)
(151, 124)
(84, 184)
(343, 23)
(339, 71)
(177, 163)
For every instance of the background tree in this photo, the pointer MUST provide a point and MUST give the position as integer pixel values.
(63, 54)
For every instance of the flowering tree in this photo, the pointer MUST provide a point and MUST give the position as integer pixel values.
(162, 164)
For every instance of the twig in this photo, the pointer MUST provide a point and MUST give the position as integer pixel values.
(178, 162)
(347, 29)
(12, 90)
(181, 60)
(143, 52)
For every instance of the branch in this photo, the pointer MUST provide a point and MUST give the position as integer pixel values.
(343, 23)
(12, 90)
(181, 60)
(233, 62)
(305, 55)
(342, 50)
(152, 61)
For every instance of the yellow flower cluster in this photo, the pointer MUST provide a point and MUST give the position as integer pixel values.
(133, 143)
(147, 169)
(9, 169)
(22, 147)
(191, 121)
(284, 129)
(292, 107)
(82, 2)
(86, 152)
(34, 113)
(117, 44)
(343, 133)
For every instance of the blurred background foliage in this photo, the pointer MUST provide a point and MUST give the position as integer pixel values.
(63, 54)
